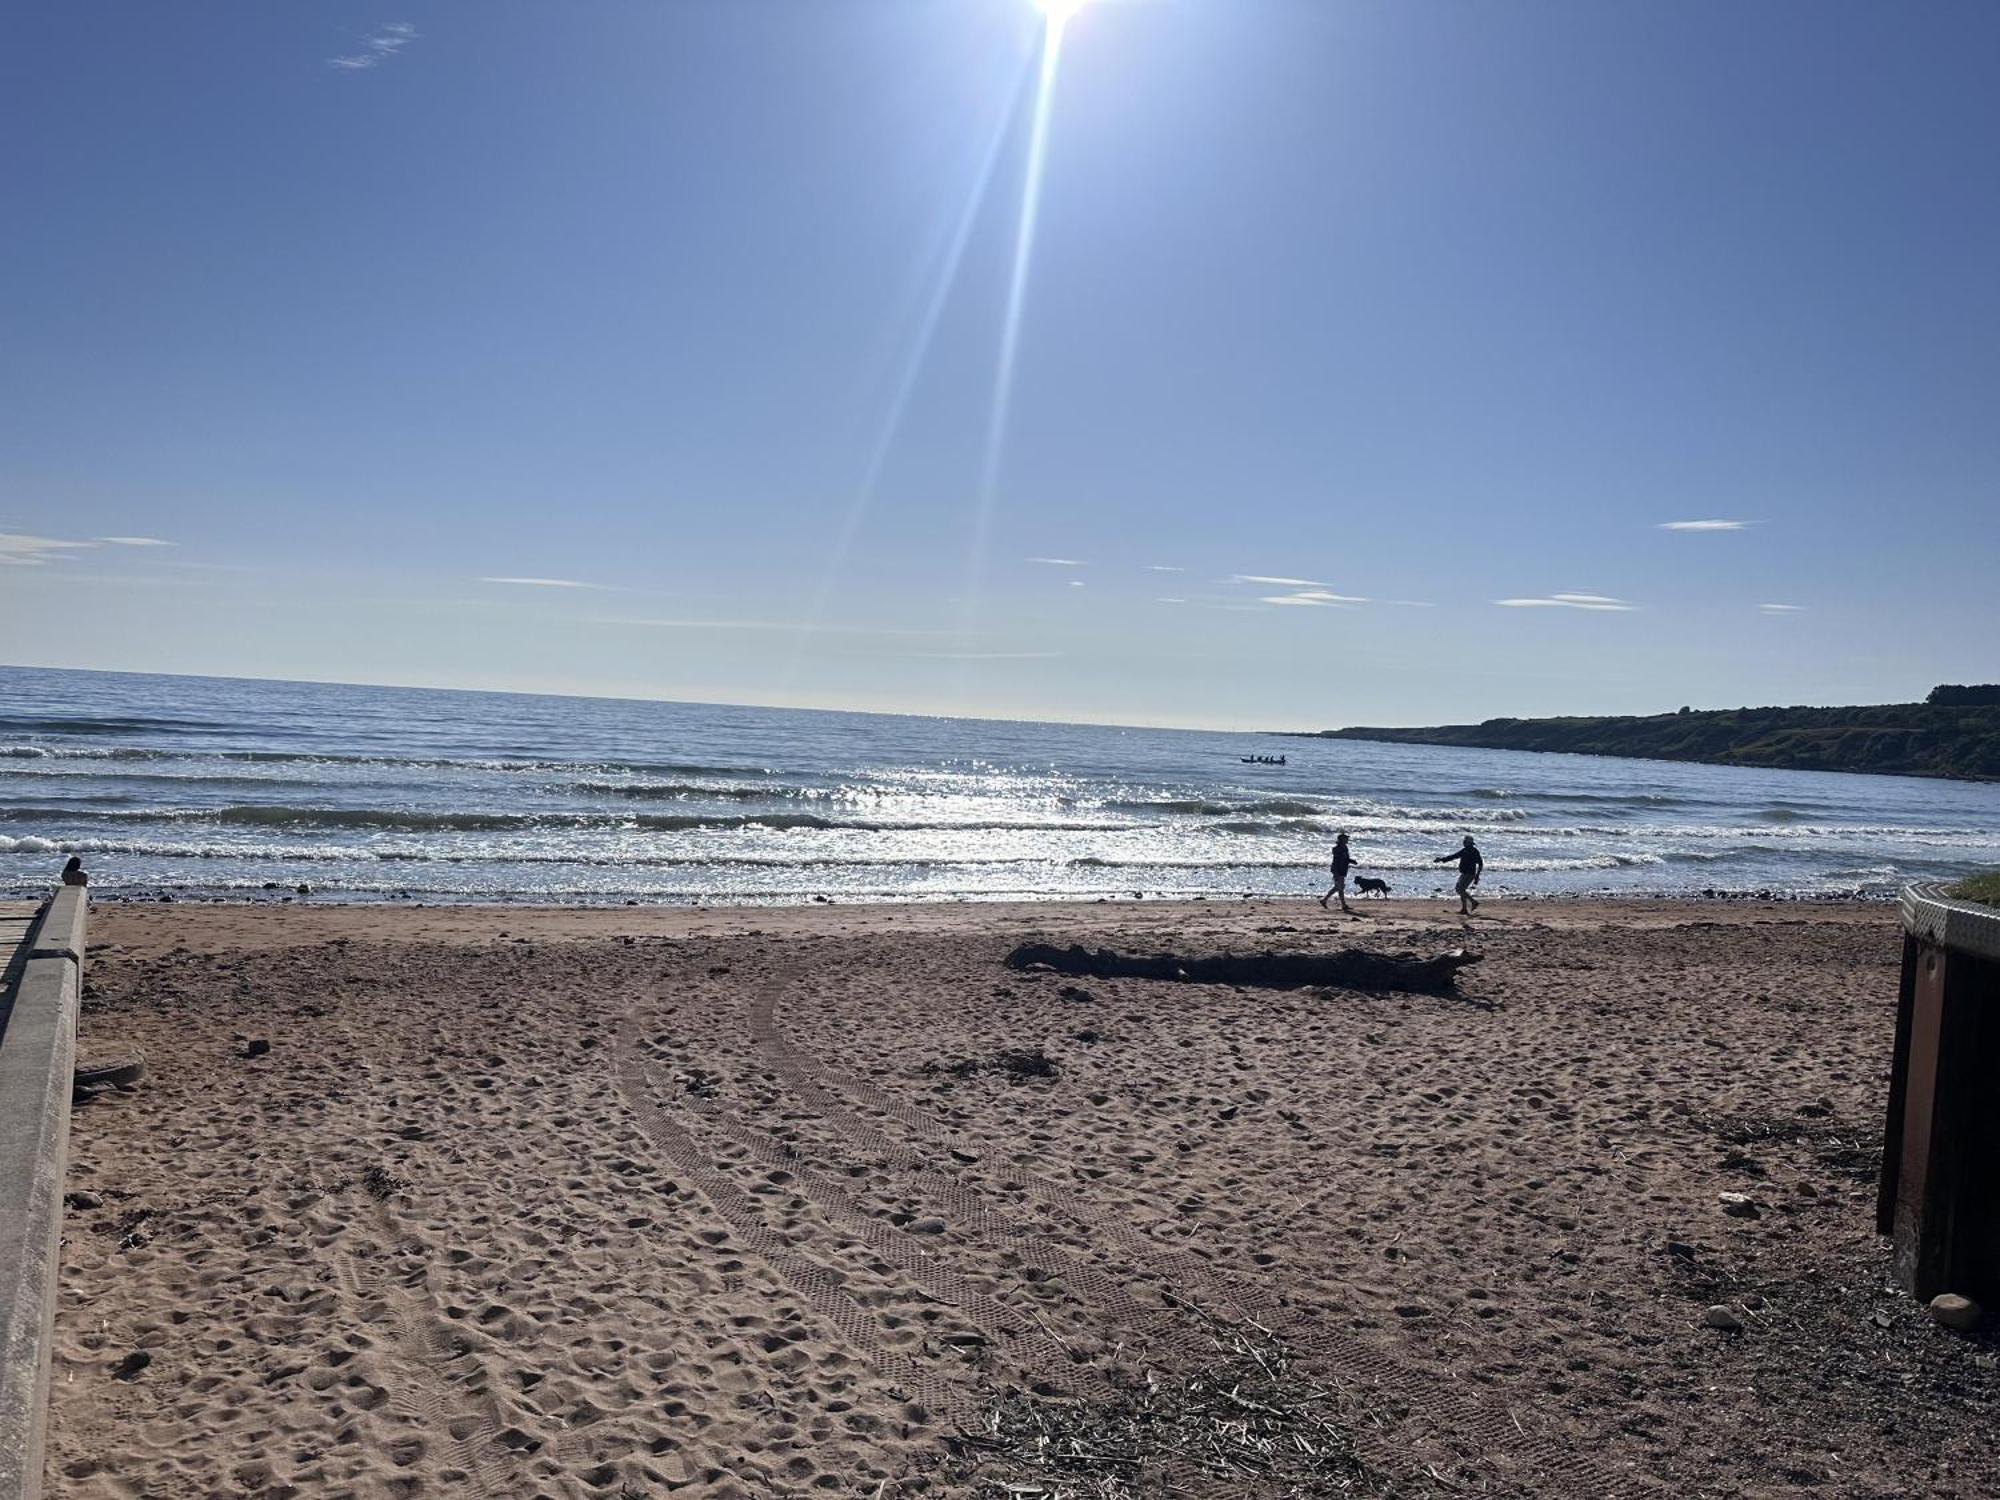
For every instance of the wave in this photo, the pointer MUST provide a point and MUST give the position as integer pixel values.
(497, 764)
(66, 724)
(689, 791)
(1285, 807)
(344, 854)
(1614, 799)
(404, 820)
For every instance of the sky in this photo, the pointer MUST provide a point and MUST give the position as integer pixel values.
(1235, 363)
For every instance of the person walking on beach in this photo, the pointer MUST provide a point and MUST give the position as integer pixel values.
(1343, 861)
(1470, 863)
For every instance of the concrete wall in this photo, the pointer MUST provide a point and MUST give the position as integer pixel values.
(37, 1062)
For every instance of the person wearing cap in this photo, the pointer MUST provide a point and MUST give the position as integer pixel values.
(1343, 861)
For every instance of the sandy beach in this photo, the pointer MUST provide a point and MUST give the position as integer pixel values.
(828, 1201)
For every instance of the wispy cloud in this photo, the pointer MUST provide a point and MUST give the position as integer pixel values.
(1703, 525)
(799, 626)
(378, 46)
(1170, 601)
(1316, 598)
(1057, 562)
(1569, 601)
(548, 583)
(1076, 583)
(22, 551)
(986, 655)
(1163, 568)
(1781, 609)
(134, 541)
(1283, 583)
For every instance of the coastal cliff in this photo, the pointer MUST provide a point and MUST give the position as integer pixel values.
(1954, 734)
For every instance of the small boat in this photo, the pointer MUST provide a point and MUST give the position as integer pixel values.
(1263, 760)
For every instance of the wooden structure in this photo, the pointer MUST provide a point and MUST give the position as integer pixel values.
(1940, 1188)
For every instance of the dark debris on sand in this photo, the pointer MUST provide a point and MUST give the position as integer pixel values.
(1247, 1418)
(1017, 1065)
(382, 1184)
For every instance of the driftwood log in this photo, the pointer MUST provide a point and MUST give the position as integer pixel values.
(1349, 969)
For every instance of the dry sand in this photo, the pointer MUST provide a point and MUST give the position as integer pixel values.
(738, 1203)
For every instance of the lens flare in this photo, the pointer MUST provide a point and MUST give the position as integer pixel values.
(1059, 11)
(948, 258)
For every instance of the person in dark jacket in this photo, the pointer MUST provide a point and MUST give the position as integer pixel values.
(1470, 863)
(1343, 861)
(73, 872)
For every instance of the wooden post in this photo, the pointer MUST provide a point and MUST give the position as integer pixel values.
(1941, 1141)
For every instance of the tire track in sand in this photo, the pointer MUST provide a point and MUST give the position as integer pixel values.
(469, 1430)
(817, 1285)
(1471, 1427)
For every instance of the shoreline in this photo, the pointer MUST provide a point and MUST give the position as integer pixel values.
(281, 896)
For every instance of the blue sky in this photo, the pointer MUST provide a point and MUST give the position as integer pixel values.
(1441, 310)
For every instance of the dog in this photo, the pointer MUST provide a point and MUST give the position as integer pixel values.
(1366, 885)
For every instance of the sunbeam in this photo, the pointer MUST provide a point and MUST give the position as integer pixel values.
(948, 259)
(1059, 13)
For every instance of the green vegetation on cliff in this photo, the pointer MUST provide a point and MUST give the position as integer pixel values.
(1985, 888)
(1950, 738)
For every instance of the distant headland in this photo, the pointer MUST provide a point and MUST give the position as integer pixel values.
(1955, 732)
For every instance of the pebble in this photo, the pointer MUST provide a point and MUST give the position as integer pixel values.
(927, 1226)
(1960, 1314)
(83, 1200)
(1680, 1249)
(1722, 1320)
(1737, 1205)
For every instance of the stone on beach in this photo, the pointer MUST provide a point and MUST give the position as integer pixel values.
(1960, 1314)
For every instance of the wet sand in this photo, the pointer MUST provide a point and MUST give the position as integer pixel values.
(774, 1202)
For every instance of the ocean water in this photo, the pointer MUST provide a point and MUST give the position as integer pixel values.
(219, 786)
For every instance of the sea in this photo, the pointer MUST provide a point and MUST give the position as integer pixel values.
(213, 787)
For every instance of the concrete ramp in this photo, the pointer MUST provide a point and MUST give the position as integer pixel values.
(41, 981)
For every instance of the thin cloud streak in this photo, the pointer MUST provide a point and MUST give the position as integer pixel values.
(22, 551)
(1603, 602)
(1283, 583)
(640, 622)
(1316, 598)
(381, 45)
(1781, 609)
(1163, 568)
(549, 583)
(986, 655)
(1057, 562)
(1703, 525)
(135, 541)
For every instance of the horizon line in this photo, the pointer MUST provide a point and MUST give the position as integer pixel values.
(883, 713)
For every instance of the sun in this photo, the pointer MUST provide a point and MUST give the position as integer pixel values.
(1060, 12)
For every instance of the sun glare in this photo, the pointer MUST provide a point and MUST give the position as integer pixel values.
(1059, 12)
